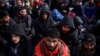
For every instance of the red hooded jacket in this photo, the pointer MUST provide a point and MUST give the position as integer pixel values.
(61, 49)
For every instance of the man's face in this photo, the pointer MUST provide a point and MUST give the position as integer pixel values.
(15, 38)
(89, 46)
(6, 19)
(19, 3)
(51, 43)
(65, 29)
(45, 16)
(23, 12)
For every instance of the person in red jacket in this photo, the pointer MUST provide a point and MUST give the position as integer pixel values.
(51, 45)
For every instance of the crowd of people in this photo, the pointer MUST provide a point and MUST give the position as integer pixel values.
(49, 27)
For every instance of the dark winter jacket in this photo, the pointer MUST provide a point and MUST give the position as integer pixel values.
(77, 21)
(5, 29)
(41, 25)
(20, 49)
(89, 10)
(70, 37)
(96, 32)
(4, 34)
(2, 43)
(26, 22)
(81, 51)
(78, 9)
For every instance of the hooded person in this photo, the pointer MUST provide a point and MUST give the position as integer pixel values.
(68, 31)
(88, 47)
(43, 22)
(51, 45)
(18, 44)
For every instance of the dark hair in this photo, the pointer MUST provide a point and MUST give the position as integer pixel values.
(52, 32)
(22, 8)
(89, 38)
(3, 13)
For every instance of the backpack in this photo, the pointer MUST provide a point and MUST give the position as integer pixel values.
(57, 15)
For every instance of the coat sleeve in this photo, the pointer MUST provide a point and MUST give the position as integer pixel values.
(66, 51)
(37, 51)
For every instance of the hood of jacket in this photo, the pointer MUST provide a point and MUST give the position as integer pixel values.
(17, 29)
(68, 21)
(89, 38)
(60, 49)
(45, 9)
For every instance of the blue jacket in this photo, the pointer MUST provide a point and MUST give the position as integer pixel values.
(89, 10)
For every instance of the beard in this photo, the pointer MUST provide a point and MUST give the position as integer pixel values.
(50, 48)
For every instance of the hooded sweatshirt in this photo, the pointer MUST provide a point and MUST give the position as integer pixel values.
(19, 49)
(60, 50)
(71, 35)
(40, 24)
(83, 51)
